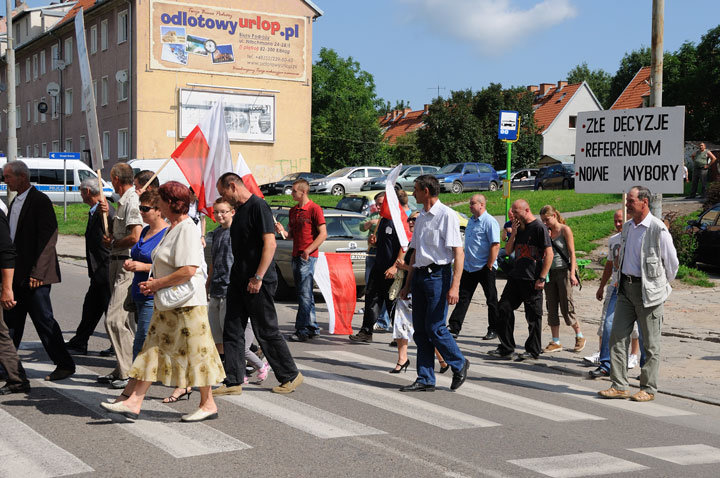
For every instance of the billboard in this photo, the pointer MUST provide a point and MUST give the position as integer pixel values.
(222, 41)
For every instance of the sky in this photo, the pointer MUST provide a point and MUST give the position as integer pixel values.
(412, 47)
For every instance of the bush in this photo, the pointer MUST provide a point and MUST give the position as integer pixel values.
(685, 243)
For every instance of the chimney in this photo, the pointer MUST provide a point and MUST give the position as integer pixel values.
(561, 84)
(545, 87)
(406, 111)
(394, 115)
(532, 88)
(426, 109)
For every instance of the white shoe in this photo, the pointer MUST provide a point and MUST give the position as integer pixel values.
(591, 360)
(632, 361)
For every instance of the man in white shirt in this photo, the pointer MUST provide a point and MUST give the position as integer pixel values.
(648, 263)
(436, 242)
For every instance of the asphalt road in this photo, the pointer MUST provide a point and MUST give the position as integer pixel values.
(348, 419)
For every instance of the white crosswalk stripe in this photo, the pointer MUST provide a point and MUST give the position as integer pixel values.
(24, 452)
(178, 439)
(683, 454)
(580, 464)
(299, 415)
(478, 392)
(392, 401)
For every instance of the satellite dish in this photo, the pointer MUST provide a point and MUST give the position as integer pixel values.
(121, 76)
(42, 107)
(60, 64)
(53, 89)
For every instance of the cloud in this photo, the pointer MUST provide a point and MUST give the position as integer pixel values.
(493, 26)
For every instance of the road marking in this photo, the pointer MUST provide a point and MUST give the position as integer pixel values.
(24, 452)
(478, 392)
(683, 454)
(178, 439)
(530, 379)
(581, 464)
(299, 415)
(391, 401)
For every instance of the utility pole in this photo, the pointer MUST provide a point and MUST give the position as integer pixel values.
(656, 78)
(10, 57)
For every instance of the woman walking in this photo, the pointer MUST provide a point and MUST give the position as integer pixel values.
(179, 349)
(562, 278)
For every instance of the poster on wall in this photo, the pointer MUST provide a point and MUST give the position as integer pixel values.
(249, 118)
(221, 41)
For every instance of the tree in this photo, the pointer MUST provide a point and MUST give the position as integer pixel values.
(345, 130)
(629, 66)
(387, 108)
(599, 81)
(405, 150)
(704, 105)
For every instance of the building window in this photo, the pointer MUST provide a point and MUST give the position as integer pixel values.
(571, 121)
(68, 51)
(53, 108)
(43, 116)
(83, 144)
(122, 143)
(27, 69)
(104, 35)
(95, 91)
(93, 39)
(27, 151)
(54, 56)
(43, 150)
(42, 63)
(68, 144)
(68, 101)
(122, 27)
(36, 113)
(27, 103)
(122, 87)
(55, 146)
(104, 90)
(35, 67)
(17, 74)
(18, 117)
(36, 151)
(106, 144)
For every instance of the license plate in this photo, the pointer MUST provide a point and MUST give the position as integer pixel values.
(358, 256)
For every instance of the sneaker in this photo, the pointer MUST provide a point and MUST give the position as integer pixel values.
(592, 360)
(553, 347)
(119, 383)
(263, 373)
(632, 361)
(361, 336)
(289, 387)
(579, 344)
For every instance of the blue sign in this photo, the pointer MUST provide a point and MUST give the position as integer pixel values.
(56, 155)
(508, 125)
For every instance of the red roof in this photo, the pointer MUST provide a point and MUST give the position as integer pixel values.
(405, 122)
(84, 4)
(548, 106)
(634, 93)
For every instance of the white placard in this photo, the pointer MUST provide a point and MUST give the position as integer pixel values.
(618, 149)
(88, 95)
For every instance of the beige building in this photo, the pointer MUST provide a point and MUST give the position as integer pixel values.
(157, 66)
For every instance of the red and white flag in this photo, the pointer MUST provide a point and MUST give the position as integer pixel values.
(391, 209)
(336, 280)
(242, 170)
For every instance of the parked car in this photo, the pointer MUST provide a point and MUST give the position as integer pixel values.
(556, 176)
(523, 179)
(706, 230)
(284, 185)
(346, 180)
(459, 177)
(344, 235)
(406, 179)
(358, 202)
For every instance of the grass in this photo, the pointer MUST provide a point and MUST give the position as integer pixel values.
(77, 215)
(563, 200)
(592, 227)
(693, 276)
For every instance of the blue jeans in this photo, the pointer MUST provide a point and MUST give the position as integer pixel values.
(303, 271)
(144, 312)
(607, 328)
(383, 319)
(429, 300)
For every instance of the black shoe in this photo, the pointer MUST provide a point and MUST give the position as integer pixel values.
(454, 333)
(459, 377)
(490, 335)
(526, 356)
(108, 352)
(418, 387)
(501, 354)
(393, 343)
(403, 367)
(106, 378)
(599, 373)
(74, 349)
(313, 335)
(15, 388)
(361, 336)
(444, 368)
(298, 337)
(60, 373)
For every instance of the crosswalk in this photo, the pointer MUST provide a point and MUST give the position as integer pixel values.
(24, 451)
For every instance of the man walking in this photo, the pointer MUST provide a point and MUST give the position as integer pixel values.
(34, 231)
(482, 244)
(307, 231)
(97, 256)
(533, 257)
(701, 166)
(436, 242)
(253, 281)
(648, 263)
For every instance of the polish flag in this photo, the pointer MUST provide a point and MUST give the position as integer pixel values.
(391, 209)
(336, 280)
(204, 156)
(242, 170)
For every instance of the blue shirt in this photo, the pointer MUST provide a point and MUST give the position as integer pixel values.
(480, 234)
(142, 252)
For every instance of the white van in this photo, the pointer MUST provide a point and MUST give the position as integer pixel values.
(171, 172)
(47, 176)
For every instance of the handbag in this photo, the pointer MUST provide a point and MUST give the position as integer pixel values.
(174, 296)
(564, 258)
(397, 285)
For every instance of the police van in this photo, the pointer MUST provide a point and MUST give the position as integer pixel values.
(47, 176)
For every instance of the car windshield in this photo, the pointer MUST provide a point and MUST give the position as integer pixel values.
(542, 172)
(290, 177)
(351, 203)
(338, 226)
(340, 173)
(451, 168)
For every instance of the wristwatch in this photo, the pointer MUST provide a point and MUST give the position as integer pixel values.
(258, 277)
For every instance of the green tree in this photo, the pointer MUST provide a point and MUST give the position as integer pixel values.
(704, 105)
(405, 150)
(345, 130)
(599, 81)
(387, 107)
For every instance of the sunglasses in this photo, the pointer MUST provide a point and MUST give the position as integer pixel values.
(411, 220)
(145, 208)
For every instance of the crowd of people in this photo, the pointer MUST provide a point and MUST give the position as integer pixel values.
(172, 318)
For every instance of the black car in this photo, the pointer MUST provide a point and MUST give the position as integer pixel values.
(557, 176)
(523, 179)
(284, 186)
(706, 229)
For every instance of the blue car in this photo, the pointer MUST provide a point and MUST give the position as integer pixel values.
(459, 177)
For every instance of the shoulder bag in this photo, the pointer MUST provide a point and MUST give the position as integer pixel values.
(565, 258)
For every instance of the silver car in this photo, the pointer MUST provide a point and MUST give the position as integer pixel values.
(346, 180)
(406, 179)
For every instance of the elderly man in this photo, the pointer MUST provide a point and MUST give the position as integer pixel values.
(34, 231)
(703, 160)
(648, 263)
(482, 244)
(97, 256)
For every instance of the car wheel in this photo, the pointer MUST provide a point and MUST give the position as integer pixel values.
(493, 186)
(457, 187)
(288, 190)
(283, 291)
(338, 190)
(566, 184)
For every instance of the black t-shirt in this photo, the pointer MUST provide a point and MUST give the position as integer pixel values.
(252, 220)
(530, 244)
(388, 246)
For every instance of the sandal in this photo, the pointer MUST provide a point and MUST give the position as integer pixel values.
(174, 398)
